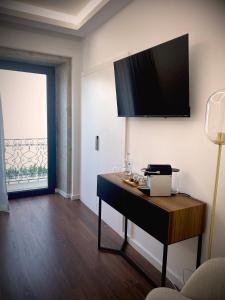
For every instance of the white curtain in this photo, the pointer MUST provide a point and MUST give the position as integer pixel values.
(4, 204)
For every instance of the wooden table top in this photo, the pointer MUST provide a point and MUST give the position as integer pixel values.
(169, 203)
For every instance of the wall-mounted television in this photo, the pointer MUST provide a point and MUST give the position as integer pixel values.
(154, 82)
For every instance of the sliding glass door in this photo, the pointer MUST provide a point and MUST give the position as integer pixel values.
(28, 101)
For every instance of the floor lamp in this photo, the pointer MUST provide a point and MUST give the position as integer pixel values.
(215, 130)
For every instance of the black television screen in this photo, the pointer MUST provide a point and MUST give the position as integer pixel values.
(154, 82)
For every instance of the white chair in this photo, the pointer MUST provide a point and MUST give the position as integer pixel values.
(206, 283)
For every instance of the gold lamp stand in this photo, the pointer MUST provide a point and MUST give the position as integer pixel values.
(215, 131)
(220, 141)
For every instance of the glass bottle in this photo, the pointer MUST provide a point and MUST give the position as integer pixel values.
(128, 165)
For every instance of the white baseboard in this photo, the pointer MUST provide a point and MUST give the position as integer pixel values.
(66, 195)
(75, 197)
(93, 209)
(4, 208)
(155, 262)
(62, 193)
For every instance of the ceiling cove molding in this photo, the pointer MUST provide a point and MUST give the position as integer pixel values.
(79, 24)
(50, 16)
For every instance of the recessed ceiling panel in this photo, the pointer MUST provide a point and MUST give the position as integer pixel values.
(72, 7)
(73, 17)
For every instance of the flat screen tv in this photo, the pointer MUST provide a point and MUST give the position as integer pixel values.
(154, 82)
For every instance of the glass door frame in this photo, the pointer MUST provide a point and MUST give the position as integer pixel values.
(49, 71)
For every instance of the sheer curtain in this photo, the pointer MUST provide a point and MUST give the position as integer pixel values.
(4, 204)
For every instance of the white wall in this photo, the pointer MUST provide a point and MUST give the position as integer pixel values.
(37, 41)
(181, 142)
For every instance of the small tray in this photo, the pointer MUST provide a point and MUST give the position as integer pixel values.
(132, 183)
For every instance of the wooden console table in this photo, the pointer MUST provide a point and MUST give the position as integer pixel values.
(168, 219)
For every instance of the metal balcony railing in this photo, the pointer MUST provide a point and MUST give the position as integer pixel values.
(26, 160)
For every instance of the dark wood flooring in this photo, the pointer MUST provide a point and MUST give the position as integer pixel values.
(48, 251)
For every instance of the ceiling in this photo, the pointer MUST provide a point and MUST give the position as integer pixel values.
(64, 6)
(73, 17)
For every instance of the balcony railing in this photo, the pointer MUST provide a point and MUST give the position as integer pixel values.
(26, 160)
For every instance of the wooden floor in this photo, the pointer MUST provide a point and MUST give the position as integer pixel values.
(48, 251)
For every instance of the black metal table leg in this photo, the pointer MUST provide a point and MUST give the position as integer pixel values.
(99, 222)
(164, 264)
(114, 251)
(120, 251)
(125, 235)
(199, 251)
(125, 230)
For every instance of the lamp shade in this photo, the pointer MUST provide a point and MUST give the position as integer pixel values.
(215, 117)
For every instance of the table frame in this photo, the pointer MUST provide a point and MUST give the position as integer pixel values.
(122, 252)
